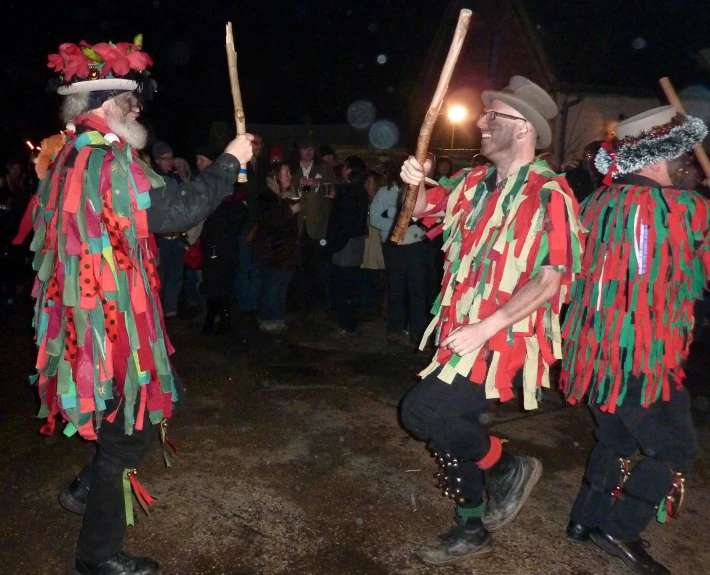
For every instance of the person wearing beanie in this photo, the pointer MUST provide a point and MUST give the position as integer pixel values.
(205, 156)
(327, 155)
(629, 328)
(103, 352)
(512, 250)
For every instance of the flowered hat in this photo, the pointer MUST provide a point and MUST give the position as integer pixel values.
(654, 136)
(101, 67)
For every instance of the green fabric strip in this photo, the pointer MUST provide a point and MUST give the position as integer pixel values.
(128, 497)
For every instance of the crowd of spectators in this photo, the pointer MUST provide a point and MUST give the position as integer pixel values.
(308, 237)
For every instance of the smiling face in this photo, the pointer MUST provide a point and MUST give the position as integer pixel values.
(499, 137)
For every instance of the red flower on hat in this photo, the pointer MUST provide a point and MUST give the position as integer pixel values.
(121, 58)
(70, 62)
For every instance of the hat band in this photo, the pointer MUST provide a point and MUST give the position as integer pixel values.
(631, 155)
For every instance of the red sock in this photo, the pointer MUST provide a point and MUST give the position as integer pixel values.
(493, 454)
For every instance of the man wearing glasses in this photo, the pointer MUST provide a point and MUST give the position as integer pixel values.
(512, 244)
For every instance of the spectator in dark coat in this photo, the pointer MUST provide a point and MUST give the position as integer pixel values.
(585, 179)
(276, 246)
(247, 281)
(345, 239)
(220, 248)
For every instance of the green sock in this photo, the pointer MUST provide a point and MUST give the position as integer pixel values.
(467, 513)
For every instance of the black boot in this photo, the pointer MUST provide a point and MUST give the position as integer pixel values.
(121, 564)
(509, 483)
(633, 553)
(578, 532)
(225, 322)
(469, 539)
(73, 498)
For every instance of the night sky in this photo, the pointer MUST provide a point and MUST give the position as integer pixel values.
(299, 60)
(306, 61)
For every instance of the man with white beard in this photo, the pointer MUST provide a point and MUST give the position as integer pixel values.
(512, 244)
(103, 361)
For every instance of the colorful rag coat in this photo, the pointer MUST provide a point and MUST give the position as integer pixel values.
(98, 320)
(495, 240)
(646, 262)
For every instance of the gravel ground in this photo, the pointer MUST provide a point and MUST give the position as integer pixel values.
(292, 461)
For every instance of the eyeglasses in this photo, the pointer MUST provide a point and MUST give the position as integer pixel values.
(491, 115)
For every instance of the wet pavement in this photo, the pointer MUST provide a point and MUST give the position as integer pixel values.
(292, 461)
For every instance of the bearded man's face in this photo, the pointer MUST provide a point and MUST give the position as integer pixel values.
(122, 113)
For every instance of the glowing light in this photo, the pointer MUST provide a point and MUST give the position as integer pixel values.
(361, 114)
(383, 134)
(457, 113)
(30, 145)
(382, 59)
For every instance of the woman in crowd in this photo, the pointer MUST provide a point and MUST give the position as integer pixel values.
(407, 267)
(276, 245)
(183, 169)
(219, 241)
(373, 264)
(345, 240)
(444, 168)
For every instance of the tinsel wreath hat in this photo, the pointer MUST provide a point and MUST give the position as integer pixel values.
(102, 67)
(654, 136)
(535, 105)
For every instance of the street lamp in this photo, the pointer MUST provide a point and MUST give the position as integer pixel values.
(456, 114)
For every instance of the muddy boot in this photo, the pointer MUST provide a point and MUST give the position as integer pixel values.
(468, 540)
(121, 564)
(633, 553)
(73, 498)
(509, 483)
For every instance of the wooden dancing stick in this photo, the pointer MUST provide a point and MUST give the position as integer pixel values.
(674, 101)
(410, 196)
(239, 117)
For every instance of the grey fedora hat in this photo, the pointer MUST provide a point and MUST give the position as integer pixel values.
(533, 103)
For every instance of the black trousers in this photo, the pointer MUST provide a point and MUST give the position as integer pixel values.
(447, 416)
(408, 302)
(346, 295)
(104, 526)
(314, 276)
(9, 266)
(665, 435)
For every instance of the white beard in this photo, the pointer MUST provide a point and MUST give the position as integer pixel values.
(131, 131)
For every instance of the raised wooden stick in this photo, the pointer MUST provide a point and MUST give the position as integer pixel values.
(410, 197)
(239, 117)
(674, 101)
